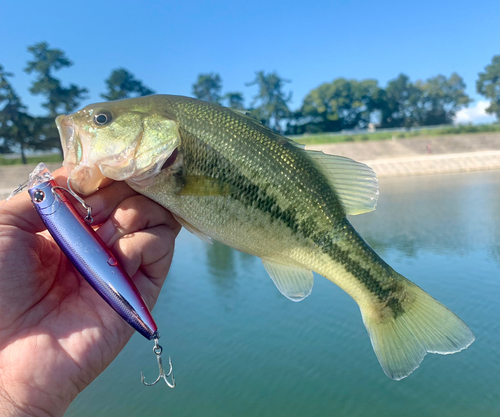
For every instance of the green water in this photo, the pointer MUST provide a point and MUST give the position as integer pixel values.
(241, 349)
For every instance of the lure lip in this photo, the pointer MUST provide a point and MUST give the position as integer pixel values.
(88, 253)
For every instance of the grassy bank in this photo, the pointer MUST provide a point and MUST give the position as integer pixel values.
(322, 138)
(31, 159)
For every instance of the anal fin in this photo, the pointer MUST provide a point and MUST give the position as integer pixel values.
(294, 283)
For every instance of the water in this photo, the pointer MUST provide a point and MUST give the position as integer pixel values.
(240, 348)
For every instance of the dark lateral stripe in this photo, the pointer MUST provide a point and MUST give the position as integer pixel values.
(208, 163)
(364, 276)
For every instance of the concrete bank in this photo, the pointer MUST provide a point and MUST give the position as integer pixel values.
(401, 157)
(420, 156)
(13, 175)
(436, 164)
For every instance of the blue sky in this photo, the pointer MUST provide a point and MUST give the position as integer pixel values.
(167, 44)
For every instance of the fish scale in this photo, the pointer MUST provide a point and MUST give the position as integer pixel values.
(327, 208)
(236, 181)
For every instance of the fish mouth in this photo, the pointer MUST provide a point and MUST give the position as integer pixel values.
(66, 127)
(84, 179)
(89, 162)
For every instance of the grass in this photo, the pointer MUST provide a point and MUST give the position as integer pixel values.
(32, 159)
(322, 138)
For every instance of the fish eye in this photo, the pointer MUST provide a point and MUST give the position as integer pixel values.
(102, 118)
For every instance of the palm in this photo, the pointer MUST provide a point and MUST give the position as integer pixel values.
(56, 333)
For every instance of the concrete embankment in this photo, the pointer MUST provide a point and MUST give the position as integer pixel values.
(401, 157)
(426, 155)
(11, 176)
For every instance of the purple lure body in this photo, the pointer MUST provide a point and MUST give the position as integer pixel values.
(91, 257)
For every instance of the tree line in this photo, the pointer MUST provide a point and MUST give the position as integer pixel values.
(332, 106)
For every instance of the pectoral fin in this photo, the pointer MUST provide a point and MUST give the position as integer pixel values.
(190, 228)
(294, 283)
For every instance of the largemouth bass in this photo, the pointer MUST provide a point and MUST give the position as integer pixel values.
(227, 177)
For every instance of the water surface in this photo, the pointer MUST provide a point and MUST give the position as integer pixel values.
(242, 349)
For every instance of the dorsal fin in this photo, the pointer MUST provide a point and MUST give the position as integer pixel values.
(355, 183)
(242, 112)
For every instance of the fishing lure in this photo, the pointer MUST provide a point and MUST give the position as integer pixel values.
(92, 258)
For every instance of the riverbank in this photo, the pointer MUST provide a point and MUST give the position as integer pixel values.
(436, 164)
(396, 134)
(421, 156)
(402, 157)
(11, 176)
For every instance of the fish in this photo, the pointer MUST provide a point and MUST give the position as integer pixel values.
(225, 176)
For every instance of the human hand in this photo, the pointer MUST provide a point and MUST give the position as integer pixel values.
(56, 333)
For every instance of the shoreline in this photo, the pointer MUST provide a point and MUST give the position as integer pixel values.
(405, 157)
(435, 164)
(422, 156)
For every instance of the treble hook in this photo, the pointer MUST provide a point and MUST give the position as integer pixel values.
(88, 218)
(157, 349)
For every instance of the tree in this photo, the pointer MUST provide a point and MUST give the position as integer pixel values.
(298, 124)
(440, 99)
(59, 99)
(272, 101)
(423, 103)
(397, 102)
(341, 104)
(235, 100)
(122, 84)
(488, 85)
(319, 110)
(208, 87)
(18, 130)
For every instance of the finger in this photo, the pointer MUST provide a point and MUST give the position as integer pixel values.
(147, 256)
(141, 234)
(104, 201)
(19, 212)
(134, 214)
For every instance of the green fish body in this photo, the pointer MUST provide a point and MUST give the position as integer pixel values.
(227, 177)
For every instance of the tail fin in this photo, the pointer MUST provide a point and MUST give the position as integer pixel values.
(401, 342)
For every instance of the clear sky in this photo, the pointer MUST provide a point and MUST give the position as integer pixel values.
(168, 43)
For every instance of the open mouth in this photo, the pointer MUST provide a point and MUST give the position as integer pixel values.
(84, 179)
(66, 128)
